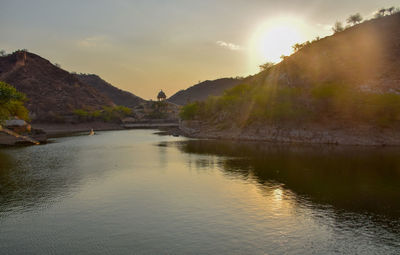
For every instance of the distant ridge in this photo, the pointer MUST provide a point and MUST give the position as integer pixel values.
(202, 90)
(118, 96)
(52, 92)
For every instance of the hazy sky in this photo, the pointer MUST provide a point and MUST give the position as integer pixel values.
(145, 46)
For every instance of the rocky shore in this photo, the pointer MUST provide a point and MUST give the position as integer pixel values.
(362, 135)
(10, 140)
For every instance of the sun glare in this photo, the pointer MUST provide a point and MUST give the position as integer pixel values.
(275, 38)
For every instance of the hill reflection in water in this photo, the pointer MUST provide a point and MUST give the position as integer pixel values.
(350, 179)
(133, 191)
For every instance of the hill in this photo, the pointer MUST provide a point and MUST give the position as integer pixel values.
(366, 56)
(118, 96)
(201, 91)
(344, 88)
(52, 92)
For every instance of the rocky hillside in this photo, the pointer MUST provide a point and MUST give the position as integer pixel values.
(52, 92)
(118, 96)
(365, 56)
(343, 89)
(201, 91)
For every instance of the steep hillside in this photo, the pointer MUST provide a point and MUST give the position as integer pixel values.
(344, 88)
(365, 56)
(201, 91)
(118, 96)
(51, 91)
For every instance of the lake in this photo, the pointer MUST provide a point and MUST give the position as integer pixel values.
(136, 192)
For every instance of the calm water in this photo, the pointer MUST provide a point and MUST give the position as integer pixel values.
(133, 192)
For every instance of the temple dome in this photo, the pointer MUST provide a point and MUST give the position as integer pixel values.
(161, 95)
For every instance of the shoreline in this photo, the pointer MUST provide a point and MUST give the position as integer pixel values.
(55, 130)
(269, 134)
(361, 136)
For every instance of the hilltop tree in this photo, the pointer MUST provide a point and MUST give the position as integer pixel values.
(354, 19)
(338, 27)
(2, 53)
(380, 13)
(386, 11)
(299, 46)
(266, 66)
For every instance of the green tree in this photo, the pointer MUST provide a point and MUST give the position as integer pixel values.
(11, 103)
(189, 111)
(82, 114)
(125, 111)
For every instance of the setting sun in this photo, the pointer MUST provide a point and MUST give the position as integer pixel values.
(275, 38)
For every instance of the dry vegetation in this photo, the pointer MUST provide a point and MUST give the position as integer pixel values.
(348, 79)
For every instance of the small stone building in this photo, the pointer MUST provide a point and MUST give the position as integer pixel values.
(17, 125)
(161, 96)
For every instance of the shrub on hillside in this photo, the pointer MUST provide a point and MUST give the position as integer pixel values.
(12, 103)
(329, 102)
(189, 111)
(107, 114)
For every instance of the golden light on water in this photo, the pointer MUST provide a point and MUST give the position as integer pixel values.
(277, 193)
(275, 38)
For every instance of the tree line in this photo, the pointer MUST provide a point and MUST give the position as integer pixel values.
(355, 19)
(352, 20)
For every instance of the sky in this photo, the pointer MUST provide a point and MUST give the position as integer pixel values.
(144, 46)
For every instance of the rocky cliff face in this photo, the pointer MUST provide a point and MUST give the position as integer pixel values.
(118, 96)
(52, 92)
(307, 134)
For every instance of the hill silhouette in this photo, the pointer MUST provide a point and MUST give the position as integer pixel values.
(118, 96)
(365, 56)
(52, 92)
(202, 90)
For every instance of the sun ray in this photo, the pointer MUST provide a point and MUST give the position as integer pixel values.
(275, 38)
